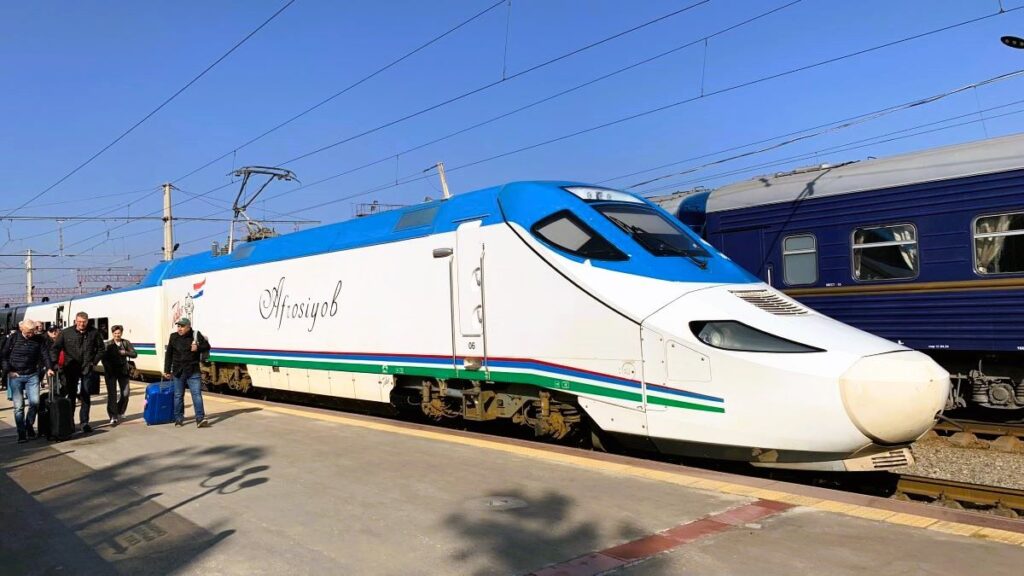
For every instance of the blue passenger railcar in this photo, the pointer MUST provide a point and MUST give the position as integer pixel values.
(926, 249)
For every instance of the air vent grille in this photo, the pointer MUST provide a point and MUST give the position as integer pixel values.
(770, 302)
(892, 459)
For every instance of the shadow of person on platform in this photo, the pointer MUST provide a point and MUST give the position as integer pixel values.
(218, 417)
(518, 533)
(120, 518)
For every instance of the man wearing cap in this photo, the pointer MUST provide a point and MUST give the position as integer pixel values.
(181, 364)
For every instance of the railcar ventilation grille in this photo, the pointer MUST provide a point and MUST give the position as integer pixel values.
(770, 302)
(891, 459)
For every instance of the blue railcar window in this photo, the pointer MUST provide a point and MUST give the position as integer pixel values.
(566, 232)
(885, 252)
(416, 218)
(800, 260)
(999, 243)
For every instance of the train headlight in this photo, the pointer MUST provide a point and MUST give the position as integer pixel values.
(732, 335)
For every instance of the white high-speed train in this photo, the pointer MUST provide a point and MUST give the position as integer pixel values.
(556, 305)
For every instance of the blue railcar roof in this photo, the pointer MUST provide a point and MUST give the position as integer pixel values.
(962, 160)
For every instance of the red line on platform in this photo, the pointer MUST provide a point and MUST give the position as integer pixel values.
(637, 550)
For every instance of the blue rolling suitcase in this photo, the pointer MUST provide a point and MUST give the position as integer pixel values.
(159, 403)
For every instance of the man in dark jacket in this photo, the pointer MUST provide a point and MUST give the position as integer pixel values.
(21, 357)
(181, 363)
(82, 346)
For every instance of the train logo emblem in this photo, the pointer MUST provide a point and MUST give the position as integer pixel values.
(187, 307)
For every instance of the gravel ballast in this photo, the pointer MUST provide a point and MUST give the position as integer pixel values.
(938, 458)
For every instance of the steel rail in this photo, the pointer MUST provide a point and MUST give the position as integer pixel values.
(977, 494)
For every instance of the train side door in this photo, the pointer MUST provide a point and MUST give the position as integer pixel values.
(470, 333)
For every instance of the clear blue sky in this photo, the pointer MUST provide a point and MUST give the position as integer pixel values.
(77, 74)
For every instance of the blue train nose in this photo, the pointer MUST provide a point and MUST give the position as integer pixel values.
(893, 398)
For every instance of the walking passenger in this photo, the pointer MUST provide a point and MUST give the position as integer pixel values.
(4, 337)
(21, 357)
(82, 346)
(115, 373)
(181, 362)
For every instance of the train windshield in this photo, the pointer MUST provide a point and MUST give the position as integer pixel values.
(656, 233)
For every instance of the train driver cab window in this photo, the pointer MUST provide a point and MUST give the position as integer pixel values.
(565, 231)
(885, 252)
(800, 260)
(103, 325)
(999, 243)
(650, 229)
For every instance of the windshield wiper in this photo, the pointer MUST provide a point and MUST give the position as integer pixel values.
(641, 236)
(666, 247)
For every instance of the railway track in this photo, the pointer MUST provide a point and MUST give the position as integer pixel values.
(981, 429)
(1007, 502)
(1001, 436)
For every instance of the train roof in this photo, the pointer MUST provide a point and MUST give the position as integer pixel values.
(389, 226)
(948, 162)
(424, 219)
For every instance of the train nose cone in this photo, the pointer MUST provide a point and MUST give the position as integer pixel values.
(893, 398)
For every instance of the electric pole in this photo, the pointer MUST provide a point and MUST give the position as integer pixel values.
(28, 277)
(444, 181)
(168, 224)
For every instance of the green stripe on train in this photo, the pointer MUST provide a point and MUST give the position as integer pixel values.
(495, 376)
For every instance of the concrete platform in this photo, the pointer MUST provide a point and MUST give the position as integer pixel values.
(275, 489)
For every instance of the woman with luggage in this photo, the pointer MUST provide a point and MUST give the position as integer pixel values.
(116, 369)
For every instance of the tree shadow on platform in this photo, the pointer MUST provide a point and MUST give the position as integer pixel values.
(117, 519)
(525, 539)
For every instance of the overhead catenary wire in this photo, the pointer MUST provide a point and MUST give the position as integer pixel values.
(541, 100)
(912, 104)
(202, 196)
(845, 147)
(489, 85)
(310, 109)
(829, 61)
(154, 111)
(355, 84)
(518, 74)
(848, 146)
(842, 125)
(666, 107)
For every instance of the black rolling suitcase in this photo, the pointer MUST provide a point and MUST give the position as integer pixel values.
(43, 415)
(59, 412)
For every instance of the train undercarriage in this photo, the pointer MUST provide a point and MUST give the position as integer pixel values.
(989, 381)
(548, 414)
